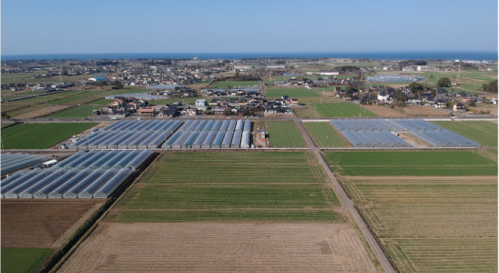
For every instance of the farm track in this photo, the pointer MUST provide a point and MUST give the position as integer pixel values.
(349, 205)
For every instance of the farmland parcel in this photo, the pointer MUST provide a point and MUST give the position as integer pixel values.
(435, 224)
(291, 92)
(284, 134)
(220, 212)
(40, 136)
(331, 110)
(414, 163)
(324, 135)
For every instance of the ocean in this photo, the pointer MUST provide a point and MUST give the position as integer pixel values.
(409, 55)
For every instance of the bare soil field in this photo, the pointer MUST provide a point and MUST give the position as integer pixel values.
(422, 111)
(485, 108)
(383, 111)
(221, 247)
(42, 224)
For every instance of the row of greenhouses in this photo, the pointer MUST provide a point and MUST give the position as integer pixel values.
(95, 174)
(213, 134)
(17, 161)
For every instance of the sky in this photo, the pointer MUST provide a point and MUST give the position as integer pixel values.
(146, 26)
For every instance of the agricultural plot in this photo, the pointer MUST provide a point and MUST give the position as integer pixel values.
(324, 135)
(23, 259)
(221, 247)
(342, 110)
(239, 186)
(40, 136)
(291, 92)
(224, 84)
(82, 111)
(284, 134)
(432, 224)
(483, 132)
(417, 163)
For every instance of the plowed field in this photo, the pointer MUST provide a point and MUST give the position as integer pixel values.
(221, 247)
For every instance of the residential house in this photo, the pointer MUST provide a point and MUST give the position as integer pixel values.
(459, 107)
(147, 111)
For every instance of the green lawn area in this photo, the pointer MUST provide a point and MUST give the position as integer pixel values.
(291, 92)
(324, 135)
(340, 110)
(23, 260)
(483, 132)
(40, 135)
(224, 84)
(417, 163)
(266, 186)
(284, 134)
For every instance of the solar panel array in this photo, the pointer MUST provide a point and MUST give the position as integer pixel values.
(369, 133)
(211, 134)
(137, 134)
(95, 174)
(432, 134)
(14, 162)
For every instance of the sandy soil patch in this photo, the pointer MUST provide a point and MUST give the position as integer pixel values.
(423, 111)
(221, 247)
(383, 111)
(42, 224)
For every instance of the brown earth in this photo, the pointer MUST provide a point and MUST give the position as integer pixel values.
(420, 178)
(423, 111)
(43, 111)
(383, 111)
(221, 247)
(485, 108)
(41, 224)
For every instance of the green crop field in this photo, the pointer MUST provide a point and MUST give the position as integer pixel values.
(432, 224)
(102, 102)
(274, 186)
(224, 84)
(417, 163)
(284, 134)
(40, 135)
(291, 92)
(340, 110)
(23, 260)
(76, 97)
(483, 132)
(324, 134)
(82, 111)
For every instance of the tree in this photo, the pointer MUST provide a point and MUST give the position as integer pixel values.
(472, 104)
(444, 82)
(415, 87)
(338, 88)
(118, 85)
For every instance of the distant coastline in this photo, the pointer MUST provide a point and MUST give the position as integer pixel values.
(409, 55)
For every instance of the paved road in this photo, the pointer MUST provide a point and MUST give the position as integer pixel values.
(387, 267)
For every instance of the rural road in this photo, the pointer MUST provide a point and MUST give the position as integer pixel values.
(387, 267)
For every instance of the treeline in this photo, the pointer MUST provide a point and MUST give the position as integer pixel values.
(241, 77)
(490, 87)
(412, 62)
(347, 70)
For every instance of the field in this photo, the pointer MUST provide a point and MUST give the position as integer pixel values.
(224, 84)
(284, 134)
(277, 93)
(483, 132)
(221, 247)
(340, 110)
(383, 111)
(40, 136)
(224, 212)
(23, 259)
(417, 163)
(432, 224)
(32, 230)
(324, 134)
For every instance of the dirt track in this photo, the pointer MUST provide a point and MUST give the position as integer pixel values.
(221, 247)
(42, 224)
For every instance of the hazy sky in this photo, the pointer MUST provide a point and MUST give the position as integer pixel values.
(108, 26)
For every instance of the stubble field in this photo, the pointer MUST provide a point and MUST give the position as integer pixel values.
(284, 134)
(324, 135)
(339, 110)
